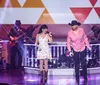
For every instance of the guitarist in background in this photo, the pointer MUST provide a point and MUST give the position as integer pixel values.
(16, 36)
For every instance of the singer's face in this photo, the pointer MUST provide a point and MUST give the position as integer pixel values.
(74, 27)
(44, 30)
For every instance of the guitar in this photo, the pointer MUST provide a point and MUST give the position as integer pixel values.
(14, 41)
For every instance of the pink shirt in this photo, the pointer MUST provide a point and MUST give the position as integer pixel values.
(79, 42)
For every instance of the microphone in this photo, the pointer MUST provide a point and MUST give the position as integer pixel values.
(49, 33)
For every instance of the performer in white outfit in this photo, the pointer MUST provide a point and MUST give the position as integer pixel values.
(43, 52)
(43, 48)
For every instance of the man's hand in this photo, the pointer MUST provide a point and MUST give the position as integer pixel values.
(12, 38)
(71, 54)
(90, 48)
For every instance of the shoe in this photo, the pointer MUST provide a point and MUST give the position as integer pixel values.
(85, 81)
(77, 81)
(45, 76)
(41, 76)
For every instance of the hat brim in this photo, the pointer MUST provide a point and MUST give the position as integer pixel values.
(78, 23)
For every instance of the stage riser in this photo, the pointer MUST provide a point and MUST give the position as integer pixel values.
(61, 71)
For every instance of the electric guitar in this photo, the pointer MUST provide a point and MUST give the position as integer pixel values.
(14, 41)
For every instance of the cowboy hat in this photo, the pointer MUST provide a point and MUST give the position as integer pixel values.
(17, 22)
(74, 22)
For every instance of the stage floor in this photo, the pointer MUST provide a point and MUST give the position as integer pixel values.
(18, 77)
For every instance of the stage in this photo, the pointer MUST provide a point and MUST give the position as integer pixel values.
(22, 20)
(19, 77)
(59, 73)
(62, 71)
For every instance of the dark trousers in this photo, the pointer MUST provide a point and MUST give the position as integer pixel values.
(80, 58)
(16, 57)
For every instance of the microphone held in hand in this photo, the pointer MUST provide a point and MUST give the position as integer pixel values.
(71, 54)
(49, 33)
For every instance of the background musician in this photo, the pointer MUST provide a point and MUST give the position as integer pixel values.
(16, 36)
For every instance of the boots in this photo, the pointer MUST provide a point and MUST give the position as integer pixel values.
(41, 76)
(77, 81)
(45, 76)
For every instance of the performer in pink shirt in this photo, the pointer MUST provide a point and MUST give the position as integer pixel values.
(77, 42)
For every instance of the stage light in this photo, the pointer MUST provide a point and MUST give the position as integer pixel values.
(2, 17)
